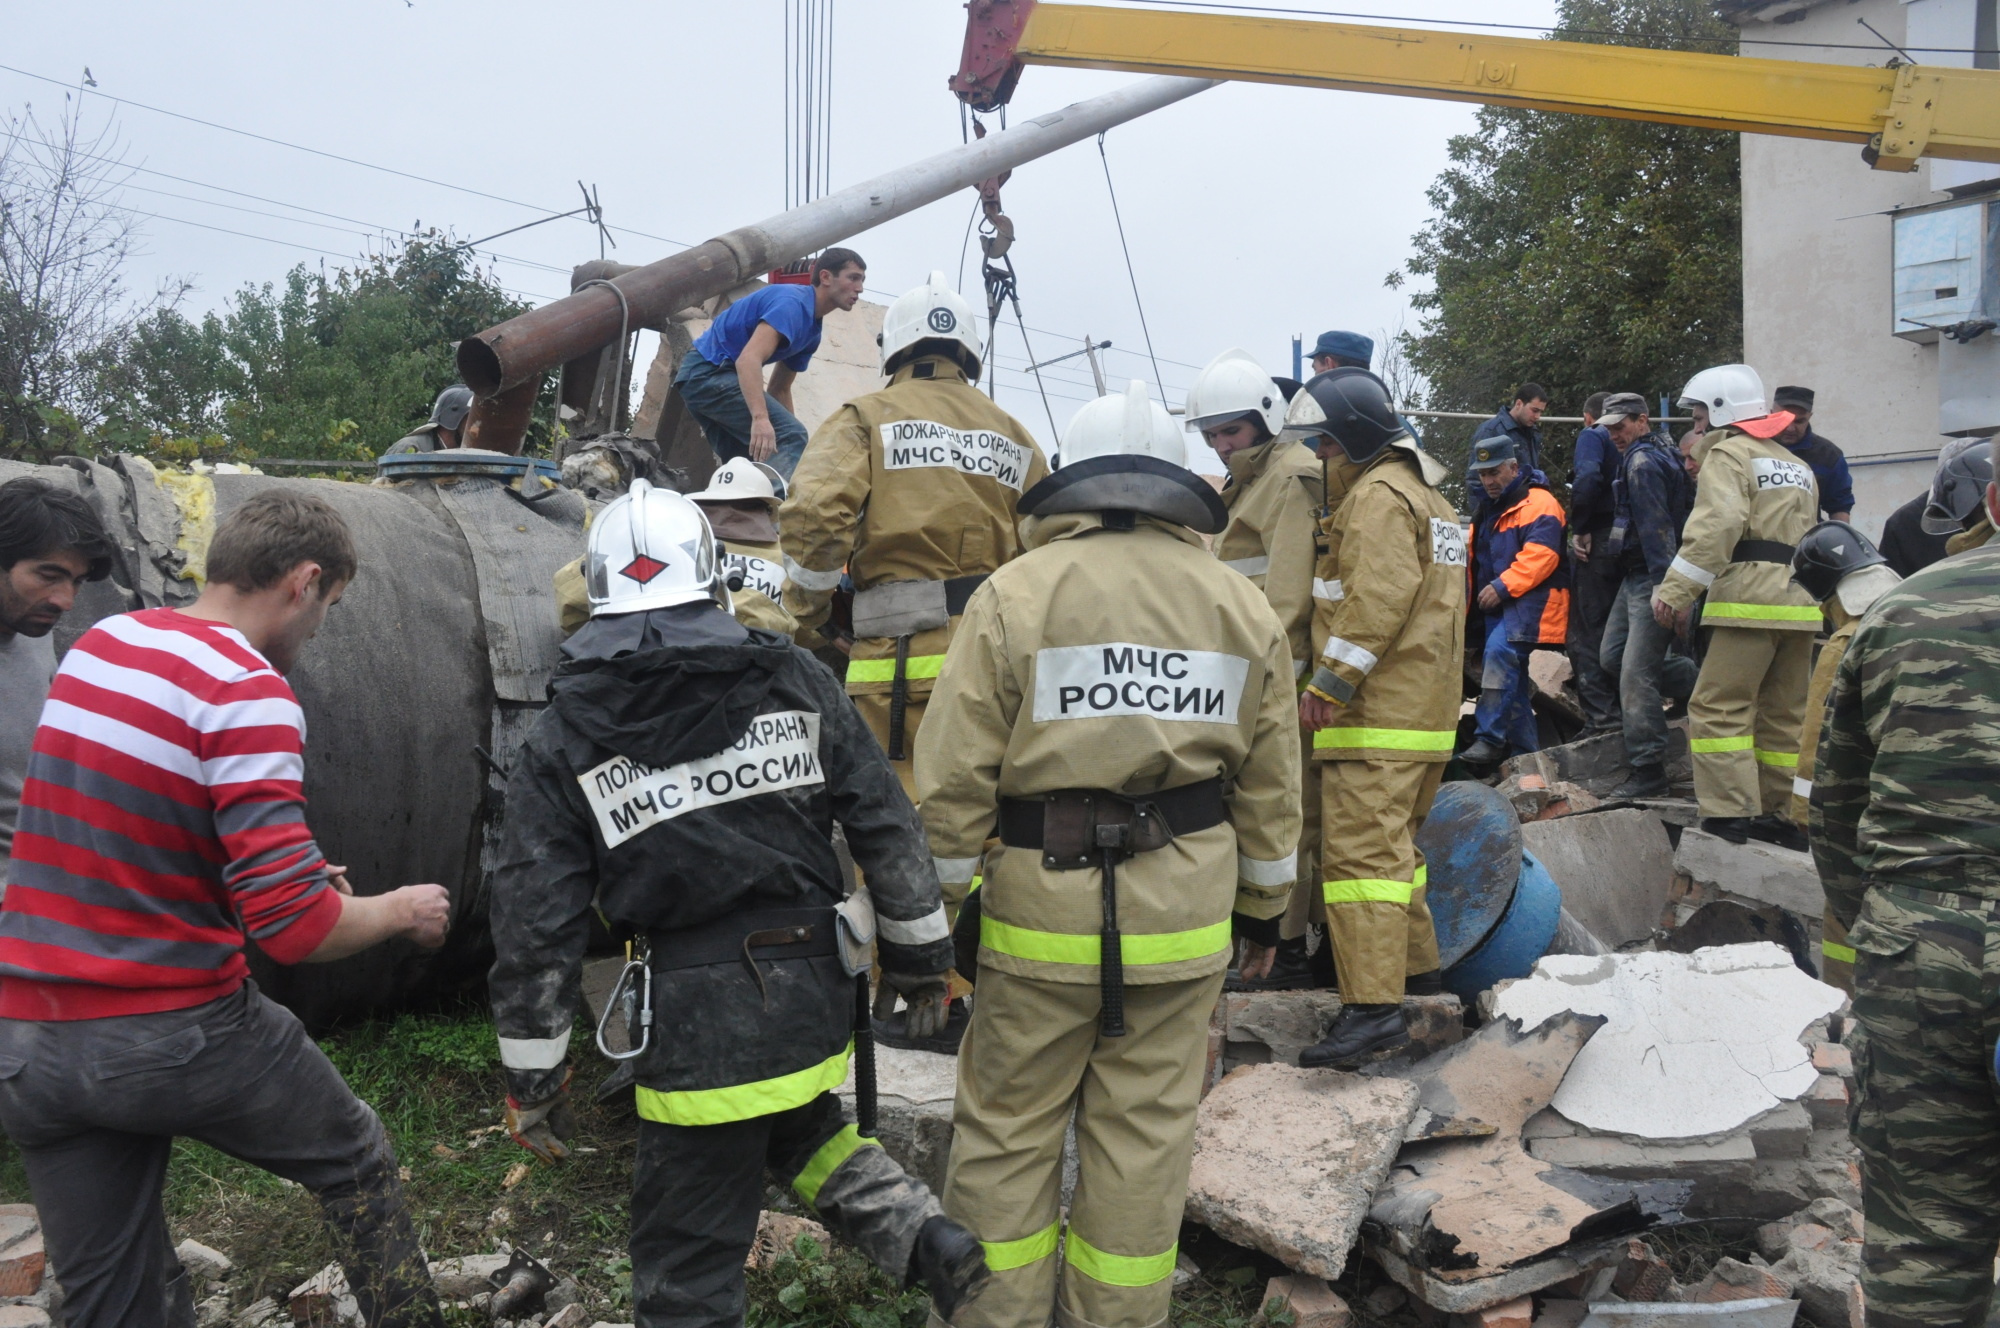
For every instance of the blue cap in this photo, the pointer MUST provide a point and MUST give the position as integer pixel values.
(1493, 453)
(1349, 346)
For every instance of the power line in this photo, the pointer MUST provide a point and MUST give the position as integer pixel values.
(1548, 27)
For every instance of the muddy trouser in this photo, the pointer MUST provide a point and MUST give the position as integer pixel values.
(1595, 585)
(1372, 874)
(1744, 720)
(1926, 1114)
(697, 1190)
(1031, 1059)
(94, 1106)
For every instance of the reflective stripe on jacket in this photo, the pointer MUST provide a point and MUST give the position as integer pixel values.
(1519, 549)
(1390, 635)
(916, 482)
(1748, 489)
(1273, 492)
(1130, 661)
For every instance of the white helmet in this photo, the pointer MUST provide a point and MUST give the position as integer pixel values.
(738, 480)
(931, 312)
(1234, 386)
(1732, 393)
(1129, 425)
(649, 549)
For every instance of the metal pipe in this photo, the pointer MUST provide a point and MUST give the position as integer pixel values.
(523, 348)
(499, 423)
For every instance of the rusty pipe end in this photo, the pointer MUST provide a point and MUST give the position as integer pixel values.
(479, 367)
(499, 423)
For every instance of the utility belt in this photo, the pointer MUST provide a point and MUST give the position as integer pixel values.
(901, 609)
(764, 933)
(1763, 551)
(1079, 828)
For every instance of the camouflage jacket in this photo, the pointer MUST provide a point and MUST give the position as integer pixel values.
(1908, 777)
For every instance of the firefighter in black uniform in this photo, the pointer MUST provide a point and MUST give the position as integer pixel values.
(685, 780)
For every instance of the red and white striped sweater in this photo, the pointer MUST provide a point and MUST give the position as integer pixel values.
(162, 820)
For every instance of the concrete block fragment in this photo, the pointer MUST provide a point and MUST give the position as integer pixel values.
(23, 1316)
(914, 1093)
(1312, 1302)
(1638, 1157)
(569, 1316)
(1763, 872)
(1548, 1123)
(1732, 1279)
(202, 1263)
(1527, 794)
(1615, 869)
(1782, 1131)
(1832, 1058)
(1826, 1102)
(1287, 1160)
(465, 1276)
(1765, 1312)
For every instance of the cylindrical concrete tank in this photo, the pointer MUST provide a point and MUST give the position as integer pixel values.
(441, 647)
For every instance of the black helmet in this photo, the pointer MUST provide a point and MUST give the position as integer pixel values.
(1351, 406)
(452, 406)
(1827, 554)
(1964, 469)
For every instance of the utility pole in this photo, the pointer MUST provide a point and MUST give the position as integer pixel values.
(1096, 370)
(1298, 358)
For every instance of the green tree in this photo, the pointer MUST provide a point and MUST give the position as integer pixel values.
(1582, 253)
(330, 366)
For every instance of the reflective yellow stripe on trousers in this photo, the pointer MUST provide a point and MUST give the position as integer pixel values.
(829, 1156)
(1701, 746)
(884, 670)
(1125, 1270)
(1055, 947)
(1762, 612)
(1006, 1255)
(760, 1097)
(1840, 953)
(1783, 760)
(1369, 891)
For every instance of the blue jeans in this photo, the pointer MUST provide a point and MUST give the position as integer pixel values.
(714, 397)
(1635, 653)
(1505, 715)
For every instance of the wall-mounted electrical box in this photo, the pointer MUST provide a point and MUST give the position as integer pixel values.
(1945, 259)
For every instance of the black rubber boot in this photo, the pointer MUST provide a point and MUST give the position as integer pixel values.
(1362, 1032)
(895, 1031)
(1292, 970)
(1482, 752)
(1424, 984)
(949, 1263)
(1778, 830)
(1645, 781)
(1735, 829)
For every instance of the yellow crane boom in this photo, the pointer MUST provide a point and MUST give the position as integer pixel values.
(1901, 114)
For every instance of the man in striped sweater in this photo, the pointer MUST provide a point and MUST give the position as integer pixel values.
(162, 823)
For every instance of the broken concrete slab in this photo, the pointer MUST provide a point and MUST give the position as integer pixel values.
(1726, 922)
(1694, 1045)
(1770, 1312)
(1474, 1222)
(1287, 1160)
(914, 1092)
(1756, 871)
(1260, 1027)
(1616, 869)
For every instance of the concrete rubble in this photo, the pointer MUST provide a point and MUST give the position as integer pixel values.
(1757, 872)
(1615, 867)
(914, 1091)
(1285, 1160)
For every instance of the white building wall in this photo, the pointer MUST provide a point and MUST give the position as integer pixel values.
(1816, 269)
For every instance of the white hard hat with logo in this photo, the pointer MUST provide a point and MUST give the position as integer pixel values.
(1732, 392)
(1233, 387)
(649, 549)
(931, 312)
(1130, 424)
(738, 480)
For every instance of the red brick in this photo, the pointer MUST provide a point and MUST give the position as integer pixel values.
(1832, 1058)
(1732, 1280)
(21, 1266)
(1311, 1300)
(1517, 1313)
(1826, 1102)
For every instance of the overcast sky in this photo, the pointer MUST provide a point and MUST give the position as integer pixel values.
(1253, 212)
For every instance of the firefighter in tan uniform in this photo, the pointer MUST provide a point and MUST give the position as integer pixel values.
(741, 503)
(1274, 493)
(1382, 702)
(1121, 707)
(912, 490)
(1842, 569)
(1752, 502)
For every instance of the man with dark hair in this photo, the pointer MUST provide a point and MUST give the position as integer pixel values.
(722, 379)
(1829, 463)
(162, 825)
(1593, 570)
(1517, 422)
(50, 544)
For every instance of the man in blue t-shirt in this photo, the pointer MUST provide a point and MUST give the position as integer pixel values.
(721, 380)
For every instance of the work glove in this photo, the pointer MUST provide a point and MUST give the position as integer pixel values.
(542, 1127)
(925, 996)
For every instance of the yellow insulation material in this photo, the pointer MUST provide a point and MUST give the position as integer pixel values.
(194, 496)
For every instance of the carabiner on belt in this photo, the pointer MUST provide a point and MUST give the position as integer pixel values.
(633, 999)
